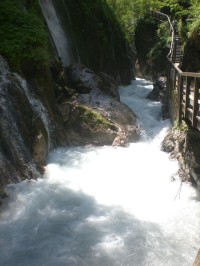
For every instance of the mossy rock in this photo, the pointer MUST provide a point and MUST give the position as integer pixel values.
(94, 119)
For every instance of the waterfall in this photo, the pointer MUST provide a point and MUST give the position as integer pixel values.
(37, 107)
(105, 206)
(24, 123)
(59, 28)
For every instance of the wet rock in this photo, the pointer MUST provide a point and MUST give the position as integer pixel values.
(22, 117)
(40, 148)
(185, 147)
(99, 98)
(159, 90)
(64, 110)
(109, 85)
(88, 126)
(125, 136)
(81, 78)
(159, 94)
(168, 144)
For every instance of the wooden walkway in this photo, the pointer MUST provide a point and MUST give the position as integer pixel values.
(186, 85)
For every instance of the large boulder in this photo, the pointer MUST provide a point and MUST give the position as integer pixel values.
(159, 90)
(83, 80)
(94, 115)
(87, 126)
(159, 94)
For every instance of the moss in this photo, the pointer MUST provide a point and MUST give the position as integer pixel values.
(24, 40)
(94, 119)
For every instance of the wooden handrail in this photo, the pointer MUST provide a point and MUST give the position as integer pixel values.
(187, 84)
(191, 74)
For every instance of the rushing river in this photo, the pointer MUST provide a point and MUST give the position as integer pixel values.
(105, 206)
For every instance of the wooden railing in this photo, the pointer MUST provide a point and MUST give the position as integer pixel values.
(186, 85)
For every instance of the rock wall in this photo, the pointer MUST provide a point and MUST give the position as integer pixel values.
(191, 58)
(184, 145)
(24, 131)
(99, 38)
(71, 106)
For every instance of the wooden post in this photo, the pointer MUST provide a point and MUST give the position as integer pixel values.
(180, 96)
(187, 93)
(169, 89)
(195, 103)
(174, 79)
(197, 260)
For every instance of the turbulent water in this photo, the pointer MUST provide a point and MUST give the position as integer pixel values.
(105, 206)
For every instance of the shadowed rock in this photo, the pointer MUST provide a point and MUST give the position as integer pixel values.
(20, 127)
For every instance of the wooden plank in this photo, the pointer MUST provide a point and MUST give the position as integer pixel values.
(187, 92)
(198, 125)
(180, 94)
(190, 110)
(190, 74)
(174, 79)
(195, 103)
(191, 96)
(189, 114)
(198, 118)
(197, 260)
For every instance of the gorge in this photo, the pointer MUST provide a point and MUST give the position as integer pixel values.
(83, 180)
(105, 206)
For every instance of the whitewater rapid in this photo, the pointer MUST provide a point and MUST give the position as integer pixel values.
(105, 206)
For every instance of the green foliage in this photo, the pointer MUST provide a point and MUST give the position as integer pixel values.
(130, 11)
(23, 37)
(157, 53)
(183, 127)
(194, 17)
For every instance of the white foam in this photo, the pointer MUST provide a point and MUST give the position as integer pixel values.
(105, 206)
